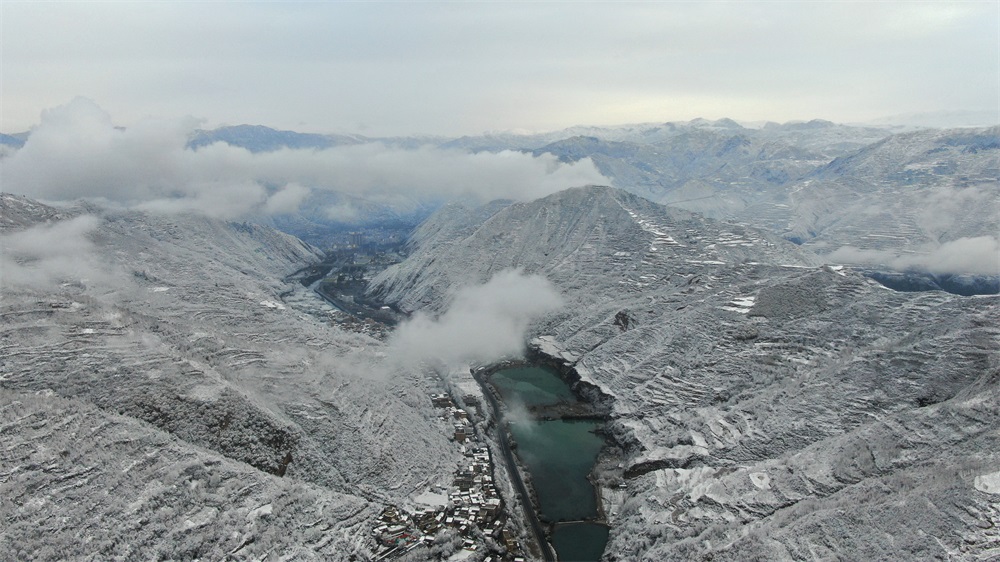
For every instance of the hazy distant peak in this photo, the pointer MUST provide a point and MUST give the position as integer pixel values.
(258, 138)
(702, 123)
(940, 119)
(11, 140)
(728, 123)
(814, 124)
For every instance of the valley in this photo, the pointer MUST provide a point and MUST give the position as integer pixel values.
(481, 281)
(772, 342)
(728, 372)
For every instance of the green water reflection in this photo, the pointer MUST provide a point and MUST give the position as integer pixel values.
(532, 386)
(580, 542)
(559, 455)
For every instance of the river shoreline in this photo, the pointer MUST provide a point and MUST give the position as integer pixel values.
(514, 469)
(591, 405)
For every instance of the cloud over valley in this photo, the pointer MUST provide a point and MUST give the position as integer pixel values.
(48, 254)
(484, 323)
(979, 255)
(77, 152)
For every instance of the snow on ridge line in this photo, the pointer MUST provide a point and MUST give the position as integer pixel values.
(659, 236)
(740, 304)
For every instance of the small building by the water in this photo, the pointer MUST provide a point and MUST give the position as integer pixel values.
(442, 400)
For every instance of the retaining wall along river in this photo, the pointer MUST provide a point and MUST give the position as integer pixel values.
(557, 437)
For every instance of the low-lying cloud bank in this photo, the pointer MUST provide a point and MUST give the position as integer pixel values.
(979, 255)
(77, 152)
(49, 254)
(483, 324)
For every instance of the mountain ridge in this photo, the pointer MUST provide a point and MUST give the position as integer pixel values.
(210, 394)
(767, 407)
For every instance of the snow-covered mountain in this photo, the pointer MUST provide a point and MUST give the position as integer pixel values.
(816, 136)
(903, 193)
(165, 392)
(818, 183)
(166, 389)
(257, 138)
(596, 237)
(714, 172)
(770, 408)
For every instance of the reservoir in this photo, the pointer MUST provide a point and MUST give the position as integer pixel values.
(559, 455)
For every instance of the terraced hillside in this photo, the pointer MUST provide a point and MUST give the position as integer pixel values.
(596, 238)
(770, 407)
(818, 183)
(162, 369)
(909, 192)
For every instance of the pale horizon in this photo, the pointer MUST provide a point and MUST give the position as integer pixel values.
(951, 118)
(453, 69)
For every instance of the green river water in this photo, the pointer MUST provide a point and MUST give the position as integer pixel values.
(559, 455)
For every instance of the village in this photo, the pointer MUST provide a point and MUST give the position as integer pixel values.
(473, 512)
(343, 280)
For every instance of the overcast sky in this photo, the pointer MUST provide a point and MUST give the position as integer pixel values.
(464, 68)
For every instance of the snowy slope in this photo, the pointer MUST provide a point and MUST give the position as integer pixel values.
(80, 482)
(904, 193)
(823, 184)
(184, 327)
(595, 237)
(769, 408)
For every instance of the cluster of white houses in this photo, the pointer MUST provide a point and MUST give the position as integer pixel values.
(474, 508)
(351, 323)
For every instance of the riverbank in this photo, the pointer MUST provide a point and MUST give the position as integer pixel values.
(540, 540)
(609, 476)
(464, 518)
(359, 307)
(556, 424)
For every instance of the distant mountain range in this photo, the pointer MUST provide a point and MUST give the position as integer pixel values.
(168, 389)
(817, 183)
(257, 138)
(16, 141)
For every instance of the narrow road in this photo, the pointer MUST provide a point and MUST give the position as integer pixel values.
(360, 311)
(529, 510)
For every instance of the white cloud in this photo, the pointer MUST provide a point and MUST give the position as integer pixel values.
(287, 200)
(76, 152)
(216, 199)
(944, 209)
(341, 213)
(978, 255)
(483, 324)
(49, 254)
